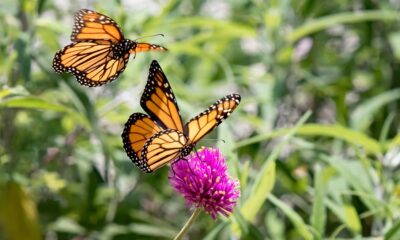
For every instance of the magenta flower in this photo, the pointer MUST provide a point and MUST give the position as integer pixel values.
(203, 181)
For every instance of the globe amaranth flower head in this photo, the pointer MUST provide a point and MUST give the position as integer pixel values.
(203, 180)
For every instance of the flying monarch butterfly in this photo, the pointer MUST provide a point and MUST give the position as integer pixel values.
(99, 52)
(153, 140)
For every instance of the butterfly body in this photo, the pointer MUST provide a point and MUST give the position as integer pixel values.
(122, 48)
(99, 52)
(154, 140)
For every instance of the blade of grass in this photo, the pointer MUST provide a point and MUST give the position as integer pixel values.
(347, 214)
(363, 115)
(322, 23)
(318, 214)
(18, 213)
(356, 176)
(295, 218)
(265, 180)
(32, 103)
(230, 29)
(336, 131)
(36, 103)
(386, 127)
(394, 232)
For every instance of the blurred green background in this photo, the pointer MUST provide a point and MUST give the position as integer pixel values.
(314, 143)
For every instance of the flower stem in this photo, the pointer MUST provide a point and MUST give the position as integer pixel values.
(188, 224)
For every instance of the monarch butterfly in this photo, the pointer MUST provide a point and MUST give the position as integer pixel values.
(153, 140)
(99, 52)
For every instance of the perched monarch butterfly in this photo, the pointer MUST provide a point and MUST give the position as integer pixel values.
(99, 52)
(153, 140)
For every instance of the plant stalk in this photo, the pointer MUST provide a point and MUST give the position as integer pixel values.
(188, 224)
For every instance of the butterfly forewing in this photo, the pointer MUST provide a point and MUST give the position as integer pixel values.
(206, 121)
(162, 148)
(138, 129)
(159, 101)
(91, 25)
(90, 62)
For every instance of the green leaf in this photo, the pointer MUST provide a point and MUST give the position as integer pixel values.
(223, 28)
(213, 234)
(264, 181)
(357, 177)
(394, 232)
(22, 46)
(336, 131)
(325, 22)
(274, 224)
(364, 114)
(295, 218)
(394, 142)
(36, 103)
(243, 174)
(352, 171)
(15, 91)
(351, 218)
(18, 214)
(33, 103)
(247, 229)
(260, 191)
(66, 225)
(394, 40)
(318, 214)
(151, 230)
(347, 214)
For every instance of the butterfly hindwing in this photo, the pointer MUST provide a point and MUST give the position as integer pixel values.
(162, 148)
(206, 121)
(138, 129)
(91, 25)
(159, 101)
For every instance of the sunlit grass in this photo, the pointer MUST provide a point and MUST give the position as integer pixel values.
(314, 143)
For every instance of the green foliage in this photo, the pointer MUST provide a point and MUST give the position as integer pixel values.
(333, 173)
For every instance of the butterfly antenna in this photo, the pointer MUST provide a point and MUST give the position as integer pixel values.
(155, 35)
(197, 154)
(213, 139)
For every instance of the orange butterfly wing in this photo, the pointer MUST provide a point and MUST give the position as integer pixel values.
(163, 148)
(99, 52)
(92, 63)
(159, 101)
(91, 25)
(206, 121)
(138, 129)
(163, 139)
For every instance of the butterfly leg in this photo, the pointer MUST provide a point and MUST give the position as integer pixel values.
(172, 166)
(174, 162)
(187, 162)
